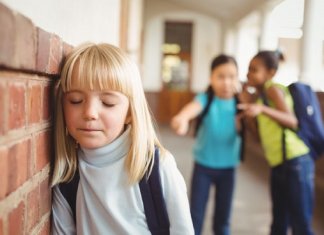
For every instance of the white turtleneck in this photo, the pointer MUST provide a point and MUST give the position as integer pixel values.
(107, 205)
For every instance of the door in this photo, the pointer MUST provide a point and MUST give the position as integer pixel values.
(176, 70)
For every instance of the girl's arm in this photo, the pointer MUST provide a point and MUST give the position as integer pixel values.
(180, 122)
(280, 113)
(175, 196)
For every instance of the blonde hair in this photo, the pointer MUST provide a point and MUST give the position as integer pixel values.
(103, 66)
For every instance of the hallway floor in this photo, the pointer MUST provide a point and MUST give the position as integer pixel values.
(251, 209)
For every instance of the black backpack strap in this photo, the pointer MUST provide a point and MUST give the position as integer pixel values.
(152, 197)
(210, 96)
(283, 136)
(153, 200)
(69, 192)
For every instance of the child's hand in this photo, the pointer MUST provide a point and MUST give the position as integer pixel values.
(250, 110)
(238, 124)
(248, 94)
(180, 125)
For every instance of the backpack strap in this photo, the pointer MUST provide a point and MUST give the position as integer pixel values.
(210, 96)
(69, 192)
(153, 200)
(152, 197)
(265, 101)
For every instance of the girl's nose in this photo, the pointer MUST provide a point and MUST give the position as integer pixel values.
(228, 83)
(90, 111)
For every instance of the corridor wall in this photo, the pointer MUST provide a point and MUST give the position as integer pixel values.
(206, 43)
(29, 66)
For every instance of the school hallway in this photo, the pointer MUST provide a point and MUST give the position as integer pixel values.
(251, 208)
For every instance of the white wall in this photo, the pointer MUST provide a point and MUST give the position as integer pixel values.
(205, 44)
(75, 21)
(247, 42)
(135, 27)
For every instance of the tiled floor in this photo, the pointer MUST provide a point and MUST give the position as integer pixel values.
(251, 212)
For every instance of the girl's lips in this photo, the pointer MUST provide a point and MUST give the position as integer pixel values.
(88, 130)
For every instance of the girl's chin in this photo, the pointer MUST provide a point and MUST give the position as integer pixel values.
(92, 145)
(228, 95)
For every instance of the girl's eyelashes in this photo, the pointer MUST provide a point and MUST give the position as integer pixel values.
(108, 104)
(75, 101)
(74, 98)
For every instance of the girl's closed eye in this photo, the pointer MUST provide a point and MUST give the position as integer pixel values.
(74, 97)
(75, 101)
(108, 104)
(109, 100)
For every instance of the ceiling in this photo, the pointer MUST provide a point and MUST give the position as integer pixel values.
(227, 10)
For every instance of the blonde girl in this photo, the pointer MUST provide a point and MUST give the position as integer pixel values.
(104, 133)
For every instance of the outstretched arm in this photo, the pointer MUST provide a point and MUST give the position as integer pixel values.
(180, 122)
(280, 113)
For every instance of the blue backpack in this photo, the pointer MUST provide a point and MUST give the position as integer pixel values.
(309, 115)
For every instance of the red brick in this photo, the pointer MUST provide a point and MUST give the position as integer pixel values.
(1, 227)
(16, 105)
(25, 50)
(3, 172)
(19, 164)
(43, 50)
(17, 220)
(42, 150)
(45, 197)
(56, 55)
(33, 209)
(12, 168)
(2, 107)
(7, 32)
(45, 230)
(47, 109)
(34, 103)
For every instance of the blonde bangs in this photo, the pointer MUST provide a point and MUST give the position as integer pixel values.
(97, 68)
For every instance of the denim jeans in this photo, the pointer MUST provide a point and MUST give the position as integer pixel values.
(224, 180)
(292, 194)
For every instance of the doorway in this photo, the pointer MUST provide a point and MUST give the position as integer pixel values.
(175, 69)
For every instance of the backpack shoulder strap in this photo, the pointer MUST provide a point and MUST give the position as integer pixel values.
(69, 192)
(210, 95)
(265, 101)
(152, 197)
(153, 200)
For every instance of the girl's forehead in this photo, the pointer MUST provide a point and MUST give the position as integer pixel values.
(82, 79)
(257, 62)
(227, 68)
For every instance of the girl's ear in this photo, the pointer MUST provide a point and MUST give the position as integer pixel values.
(272, 72)
(128, 117)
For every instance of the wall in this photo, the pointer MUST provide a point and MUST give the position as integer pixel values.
(29, 66)
(74, 20)
(205, 45)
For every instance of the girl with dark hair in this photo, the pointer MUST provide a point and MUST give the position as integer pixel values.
(292, 169)
(217, 147)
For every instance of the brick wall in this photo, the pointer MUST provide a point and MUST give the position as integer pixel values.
(29, 65)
